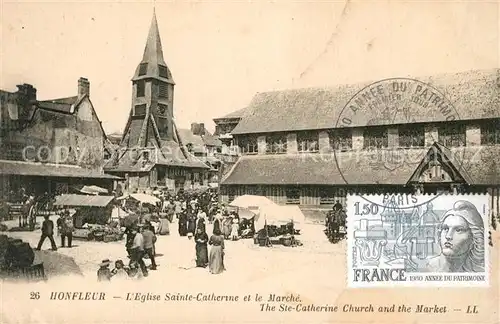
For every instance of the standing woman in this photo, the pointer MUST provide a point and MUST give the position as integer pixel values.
(234, 229)
(201, 239)
(216, 258)
(191, 222)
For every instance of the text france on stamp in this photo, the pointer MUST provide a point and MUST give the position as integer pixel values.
(441, 243)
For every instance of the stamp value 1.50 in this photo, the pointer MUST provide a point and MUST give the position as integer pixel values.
(441, 242)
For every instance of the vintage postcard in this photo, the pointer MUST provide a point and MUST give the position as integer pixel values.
(249, 161)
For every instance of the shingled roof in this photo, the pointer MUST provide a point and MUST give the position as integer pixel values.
(473, 94)
(479, 166)
(64, 105)
(233, 115)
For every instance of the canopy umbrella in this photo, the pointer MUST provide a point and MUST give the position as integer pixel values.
(280, 215)
(252, 202)
(93, 190)
(143, 198)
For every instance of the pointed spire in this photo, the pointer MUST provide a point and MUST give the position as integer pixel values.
(153, 65)
(153, 52)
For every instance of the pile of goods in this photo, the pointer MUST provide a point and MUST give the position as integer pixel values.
(105, 233)
(16, 259)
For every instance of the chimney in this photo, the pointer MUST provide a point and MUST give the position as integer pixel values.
(195, 128)
(27, 91)
(83, 87)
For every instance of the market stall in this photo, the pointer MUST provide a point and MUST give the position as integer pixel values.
(146, 207)
(279, 223)
(91, 216)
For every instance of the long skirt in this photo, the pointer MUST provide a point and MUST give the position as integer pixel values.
(191, 226)
(216, 260)
(182, 227)
(201, 255)
(164, 228)
(226, 230)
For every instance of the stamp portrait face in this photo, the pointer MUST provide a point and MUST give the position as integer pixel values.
(395, 101)
(440, 242)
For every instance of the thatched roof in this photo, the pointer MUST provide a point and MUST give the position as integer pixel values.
(473, 94)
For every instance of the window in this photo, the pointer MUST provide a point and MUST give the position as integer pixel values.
(248, 145)
(375, 137)
(452, 135)
(141, 88)
(163, 71)
(340, 139)
(143, 69)
(412, 136)
(230, 194)
(140, 110)
(163, 90)
(326, 196)
(276, 144)
(308, 142)
(490, 133)
(293, 196)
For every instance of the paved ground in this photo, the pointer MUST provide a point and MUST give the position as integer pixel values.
(243, 258)
(316, 271)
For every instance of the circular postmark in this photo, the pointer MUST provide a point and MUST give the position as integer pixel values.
(400, 107)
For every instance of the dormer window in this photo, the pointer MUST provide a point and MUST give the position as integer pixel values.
(143, 69)
(163, 71)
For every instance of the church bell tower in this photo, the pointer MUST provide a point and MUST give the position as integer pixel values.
(151, 116)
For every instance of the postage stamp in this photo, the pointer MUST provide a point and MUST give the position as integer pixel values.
(442, 243)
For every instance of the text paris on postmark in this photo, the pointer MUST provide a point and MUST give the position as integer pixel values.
(442, 242)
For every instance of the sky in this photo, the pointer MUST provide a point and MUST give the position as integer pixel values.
(222, 53)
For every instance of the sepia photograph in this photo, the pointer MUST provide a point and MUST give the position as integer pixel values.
(249, 161)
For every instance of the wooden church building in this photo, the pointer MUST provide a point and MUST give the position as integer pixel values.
(151, 152)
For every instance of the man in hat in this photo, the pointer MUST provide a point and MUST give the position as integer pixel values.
(104, 274)
(47, 232)
(65, 227)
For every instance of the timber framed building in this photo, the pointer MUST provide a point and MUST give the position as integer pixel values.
(152, 153)
(51, 145)
(294, 151)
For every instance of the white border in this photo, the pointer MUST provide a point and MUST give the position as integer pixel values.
(476, 199)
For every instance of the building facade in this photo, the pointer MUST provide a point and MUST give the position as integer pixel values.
(205, 147)
(313, 146)
(229, 151)
(50, 145)
(151, 152)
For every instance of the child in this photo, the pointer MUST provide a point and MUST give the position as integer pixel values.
(134, 272)
(104, 274)
(119, 271)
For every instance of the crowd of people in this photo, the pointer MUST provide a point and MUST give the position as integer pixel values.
(192, 212)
